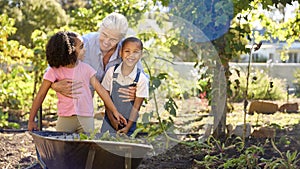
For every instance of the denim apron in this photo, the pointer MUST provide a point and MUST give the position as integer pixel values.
(123, 107)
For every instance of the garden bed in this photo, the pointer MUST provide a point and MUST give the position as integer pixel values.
(18, 151)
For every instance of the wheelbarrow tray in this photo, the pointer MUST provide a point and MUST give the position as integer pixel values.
(86, 154)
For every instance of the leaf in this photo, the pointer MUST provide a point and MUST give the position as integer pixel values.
(171, 106)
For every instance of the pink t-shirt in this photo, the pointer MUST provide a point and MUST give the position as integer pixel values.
(83, 104)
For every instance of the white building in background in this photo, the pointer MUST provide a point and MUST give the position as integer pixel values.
(267, 58)
(271, 53)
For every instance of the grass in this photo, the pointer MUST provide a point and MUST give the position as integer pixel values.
(192, 116)
(278, 118)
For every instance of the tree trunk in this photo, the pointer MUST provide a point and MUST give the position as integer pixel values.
(219, 101)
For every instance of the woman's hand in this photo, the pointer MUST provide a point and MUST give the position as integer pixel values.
(127, 94)
(67, 87)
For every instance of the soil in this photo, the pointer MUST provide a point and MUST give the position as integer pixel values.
(17, 150)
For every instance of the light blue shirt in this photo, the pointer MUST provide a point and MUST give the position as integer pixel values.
(94, 56)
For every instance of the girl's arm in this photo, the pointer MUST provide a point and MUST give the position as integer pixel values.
(106, 98)
(133, 114)
(37, 103)
(113, 121)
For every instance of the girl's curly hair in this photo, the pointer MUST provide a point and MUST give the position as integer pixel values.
(60, 49)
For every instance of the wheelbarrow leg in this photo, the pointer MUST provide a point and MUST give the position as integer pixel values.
(128, 160)
(41, 162)
(90, 159)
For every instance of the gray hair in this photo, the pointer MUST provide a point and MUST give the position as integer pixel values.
(116, 22)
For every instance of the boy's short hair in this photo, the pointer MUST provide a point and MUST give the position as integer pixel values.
(133, 39)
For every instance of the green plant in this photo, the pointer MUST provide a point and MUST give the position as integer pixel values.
(288, 160)
(170, 106)
(15, 77)
(297, 81)
(208, 162)
(4, 123)
(248, 159)
(261, 86)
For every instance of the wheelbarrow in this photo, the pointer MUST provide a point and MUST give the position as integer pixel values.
(69, 153)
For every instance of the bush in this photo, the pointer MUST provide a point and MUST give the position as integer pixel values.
(261, 86)
(297, 81)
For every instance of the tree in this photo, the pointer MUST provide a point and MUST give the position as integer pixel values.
(15, 60)
(87, 19)
(30, 15)
(213, 17)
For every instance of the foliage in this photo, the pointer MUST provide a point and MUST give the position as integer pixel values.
(85, 20)
(14, 67)
(20, 66)
(170, 106)
(297, 81)
(216, 156)
(117, 137)
(287, 160)
(4, 123)
(33, 14)
(13, 59)
(249, 159)
(246, 157)
(261, 86)
(240, 32)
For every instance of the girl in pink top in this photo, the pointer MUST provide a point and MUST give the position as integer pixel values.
(64, 51)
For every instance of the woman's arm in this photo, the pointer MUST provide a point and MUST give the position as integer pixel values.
(37, 103)
(67, 87)
(127, 93)
(133, 114)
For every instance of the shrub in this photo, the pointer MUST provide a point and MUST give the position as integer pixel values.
(261, 86)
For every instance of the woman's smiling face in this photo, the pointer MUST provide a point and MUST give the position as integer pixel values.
(108, 39)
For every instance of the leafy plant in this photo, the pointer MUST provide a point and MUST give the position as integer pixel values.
(297, 81)
(107, 137)
(248, 159)
(15, 77)
(288, 160)
(4, 123)
(208, 162)
(261, 86)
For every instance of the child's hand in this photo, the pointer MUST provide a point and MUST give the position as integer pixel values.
(32, 126)
(120, 118)
(124, 130)
(113, 121)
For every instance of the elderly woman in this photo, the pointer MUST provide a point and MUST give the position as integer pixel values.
(102, 49)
